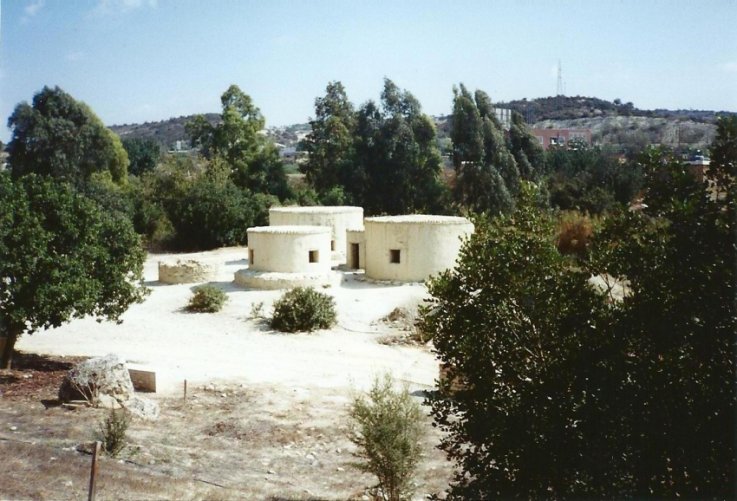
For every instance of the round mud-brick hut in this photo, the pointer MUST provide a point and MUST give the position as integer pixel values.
(287, 256)
(412, 248)
(338, 218)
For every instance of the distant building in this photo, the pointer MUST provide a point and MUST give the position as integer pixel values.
(561, 137)
(287, 152)
(504, 115)
(699, 164)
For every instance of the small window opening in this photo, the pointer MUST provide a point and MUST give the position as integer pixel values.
(394, 255)
(314, 256)
(332, 245)
(250, 256)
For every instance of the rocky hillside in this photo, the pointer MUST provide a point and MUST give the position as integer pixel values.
(164, 132)
(168, 132)
(575, 107)
(636, 132)
(620, 125)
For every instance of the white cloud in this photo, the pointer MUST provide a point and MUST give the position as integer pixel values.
(729, 66)
(121, 6)
(74, 56)
(31, 9)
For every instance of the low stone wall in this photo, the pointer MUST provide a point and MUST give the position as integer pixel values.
(186, 272)
(254, 279)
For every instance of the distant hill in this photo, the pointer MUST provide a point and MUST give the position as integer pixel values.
(614, 123)
(574, 107)
(164, 132)
(168, 132)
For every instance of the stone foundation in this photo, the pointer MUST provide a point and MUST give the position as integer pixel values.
(269, 280)
(186, 272)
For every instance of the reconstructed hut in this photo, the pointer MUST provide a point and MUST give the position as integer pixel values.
(287, 256)
(338, 218)
(409, 248)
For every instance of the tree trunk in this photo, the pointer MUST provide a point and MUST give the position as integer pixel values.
(12, 334)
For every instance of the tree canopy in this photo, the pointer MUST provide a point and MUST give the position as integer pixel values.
(143, 154)
(487, 177)
(571, 392)
(254, 162)
(61, 137)
(329, 144)
(61, 257)
(383, 157)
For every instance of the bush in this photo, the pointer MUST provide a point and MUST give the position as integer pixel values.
(303, 309)
(113, 432)
(207, 299)
(574, 233)
(386, 425)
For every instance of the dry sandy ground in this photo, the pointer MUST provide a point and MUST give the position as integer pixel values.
(230, 345)
(267, 413)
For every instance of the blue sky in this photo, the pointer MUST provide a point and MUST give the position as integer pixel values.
(142, 60)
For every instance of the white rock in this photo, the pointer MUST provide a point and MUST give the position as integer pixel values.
(142, 407)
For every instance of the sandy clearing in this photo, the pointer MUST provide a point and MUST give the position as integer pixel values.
(230, 346)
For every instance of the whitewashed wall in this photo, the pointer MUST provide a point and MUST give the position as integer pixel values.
(286, 248)
(338, 218)
(427, 245)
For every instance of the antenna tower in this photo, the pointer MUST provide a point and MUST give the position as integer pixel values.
(560, 80)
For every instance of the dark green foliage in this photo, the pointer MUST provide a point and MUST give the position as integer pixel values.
(211, 213)
(386, 425)
(62, 257)
(572, 395)
(487, 174)
(329, 144)
(303, 309)
(526, 149)
(143, 155)
(113, 430)
(591, 180)
(399, 156)
(61, 137)
(675, 335)
(382, 158)
(191, 204)
(504, 320)
(253, 162)
(207, 299)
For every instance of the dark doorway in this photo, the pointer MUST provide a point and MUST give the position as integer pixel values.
(355, 257)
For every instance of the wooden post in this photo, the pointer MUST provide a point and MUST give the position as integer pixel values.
(93, 470)
(185, 390)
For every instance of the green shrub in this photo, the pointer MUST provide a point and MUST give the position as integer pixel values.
(386, 425)
(113, 431)
(207, 299)
(303, 309)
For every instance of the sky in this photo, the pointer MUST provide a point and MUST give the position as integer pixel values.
(133, 61)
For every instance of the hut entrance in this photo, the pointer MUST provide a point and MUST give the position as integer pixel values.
(355, 257)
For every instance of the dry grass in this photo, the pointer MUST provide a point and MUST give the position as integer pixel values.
(574, 233)
(226, 442)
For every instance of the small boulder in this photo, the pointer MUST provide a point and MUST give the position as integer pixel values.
(142, 407)
(88, 380)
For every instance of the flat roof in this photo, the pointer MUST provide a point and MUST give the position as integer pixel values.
(290, 229)
(418, 219)
(317, 209)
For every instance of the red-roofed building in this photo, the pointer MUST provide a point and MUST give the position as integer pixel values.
(561, 137)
